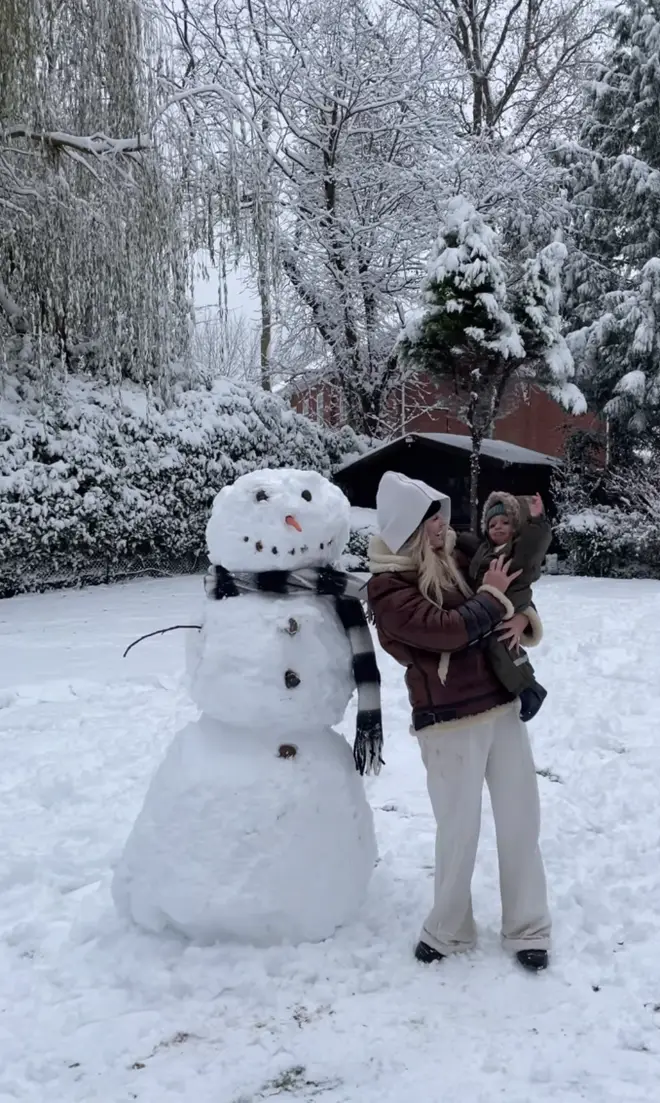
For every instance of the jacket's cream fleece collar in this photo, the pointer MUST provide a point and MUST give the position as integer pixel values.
(384, 561)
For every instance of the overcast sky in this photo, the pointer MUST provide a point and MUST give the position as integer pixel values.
(242, 298)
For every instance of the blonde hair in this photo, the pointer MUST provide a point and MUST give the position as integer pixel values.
(436, 570)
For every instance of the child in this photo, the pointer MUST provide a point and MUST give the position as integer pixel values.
(518, 529)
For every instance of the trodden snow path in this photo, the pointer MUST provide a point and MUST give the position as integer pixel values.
(93, 1010)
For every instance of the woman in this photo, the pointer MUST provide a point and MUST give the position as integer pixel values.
(467, 723)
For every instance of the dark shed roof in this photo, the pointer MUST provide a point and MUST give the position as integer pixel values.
(443, 461)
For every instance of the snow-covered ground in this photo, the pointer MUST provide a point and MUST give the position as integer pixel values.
(92, 1010)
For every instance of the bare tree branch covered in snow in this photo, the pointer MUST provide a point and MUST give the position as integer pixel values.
(517, 64)
(93, 248)
(335, 134)
(97, 144)
(339, 134)
(226, 348)
(233, 183)
(317, 141)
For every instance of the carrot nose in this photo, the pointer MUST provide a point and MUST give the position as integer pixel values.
(291, 520)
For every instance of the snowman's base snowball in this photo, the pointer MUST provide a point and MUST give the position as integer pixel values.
(235, 843)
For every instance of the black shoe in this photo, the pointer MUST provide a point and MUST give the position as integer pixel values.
(530, 702)
(426, 954)
(535, 961)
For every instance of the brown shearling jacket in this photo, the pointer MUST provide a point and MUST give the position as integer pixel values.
(417, 634)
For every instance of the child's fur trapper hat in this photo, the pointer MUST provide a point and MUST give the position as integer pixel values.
(501, 504)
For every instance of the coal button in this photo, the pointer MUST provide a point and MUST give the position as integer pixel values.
(291, 679)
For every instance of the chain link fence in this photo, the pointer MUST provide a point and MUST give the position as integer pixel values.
(15, 579)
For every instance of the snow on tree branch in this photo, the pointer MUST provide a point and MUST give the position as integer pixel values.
(518, 64)
(613, 181)
(96, 144)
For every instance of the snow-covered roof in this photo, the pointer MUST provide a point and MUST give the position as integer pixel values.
(501, 450)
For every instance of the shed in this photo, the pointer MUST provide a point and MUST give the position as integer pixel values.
(443, 461)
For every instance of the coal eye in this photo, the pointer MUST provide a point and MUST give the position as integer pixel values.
(261, 496)
(307, 495)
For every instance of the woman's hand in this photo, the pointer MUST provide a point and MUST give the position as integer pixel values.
(512, 631)
(498, 575)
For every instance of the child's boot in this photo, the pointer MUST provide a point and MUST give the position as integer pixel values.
(531, 700)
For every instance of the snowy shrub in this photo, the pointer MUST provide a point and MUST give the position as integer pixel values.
(92, 483)
(608, 542)
(610, 521)
(363, 526)
(355, 557)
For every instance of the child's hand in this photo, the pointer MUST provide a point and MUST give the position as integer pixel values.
(536, 507)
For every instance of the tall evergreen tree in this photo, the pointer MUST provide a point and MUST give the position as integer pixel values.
(488, 323)
(613, 283)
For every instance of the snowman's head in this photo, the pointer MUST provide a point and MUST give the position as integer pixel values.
(278, 521)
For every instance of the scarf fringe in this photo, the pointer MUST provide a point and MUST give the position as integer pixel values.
(368, 746)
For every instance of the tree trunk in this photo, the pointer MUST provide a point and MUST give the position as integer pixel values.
(475, 469)
(475, 424)
(266, 334)
(264, 288)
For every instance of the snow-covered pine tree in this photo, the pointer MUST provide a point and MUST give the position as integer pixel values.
(537, 307)
(487, 323)
(93, 257)
(464, 334)
(613, 282)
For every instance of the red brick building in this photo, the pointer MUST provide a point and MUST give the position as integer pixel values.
(531, 419)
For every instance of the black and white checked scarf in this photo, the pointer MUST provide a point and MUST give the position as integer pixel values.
(346, 590)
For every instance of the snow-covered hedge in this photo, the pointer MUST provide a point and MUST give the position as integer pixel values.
(363, 525)
(609, 517)
(90, 481)
(609, 542)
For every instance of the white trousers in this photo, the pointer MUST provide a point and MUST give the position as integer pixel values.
(494, 748)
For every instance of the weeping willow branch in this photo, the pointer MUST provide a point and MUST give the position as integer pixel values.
(97, 230)
(12, 309)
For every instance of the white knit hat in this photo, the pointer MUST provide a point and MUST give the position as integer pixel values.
(402, 504)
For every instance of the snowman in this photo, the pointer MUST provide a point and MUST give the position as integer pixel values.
(256, 827)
